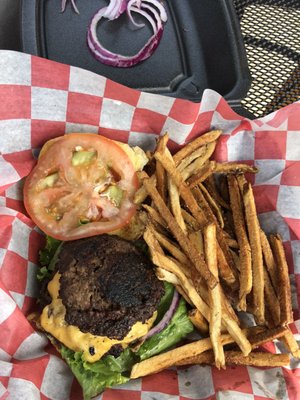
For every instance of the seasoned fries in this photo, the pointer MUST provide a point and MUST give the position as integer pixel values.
(237, 358)
(283, 281)
(290, 343)
(173, 357)
(256, 250)
(160, 173)
(244, 247)
(215, 298)
(195, 144)
(204, 237)
(190, 251)
(202, 174)
(199, 321)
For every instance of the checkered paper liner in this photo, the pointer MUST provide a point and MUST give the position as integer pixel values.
(41, 99)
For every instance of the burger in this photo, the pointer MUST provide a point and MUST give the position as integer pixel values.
(101, 303)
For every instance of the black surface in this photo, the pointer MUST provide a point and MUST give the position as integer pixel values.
(201, 46)
(10, 27)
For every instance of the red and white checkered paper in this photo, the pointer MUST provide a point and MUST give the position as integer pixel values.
(41, 99)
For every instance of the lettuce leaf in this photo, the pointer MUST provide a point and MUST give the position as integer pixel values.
(105, 373)
(179, 327)
(47, 257)
(165, 301)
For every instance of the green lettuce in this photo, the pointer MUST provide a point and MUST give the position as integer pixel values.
(95, 377)
(179, 326)
(47, 257)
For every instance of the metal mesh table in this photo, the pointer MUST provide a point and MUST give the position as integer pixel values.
(271, 32)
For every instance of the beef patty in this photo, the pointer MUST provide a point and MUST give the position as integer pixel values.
(106, 285)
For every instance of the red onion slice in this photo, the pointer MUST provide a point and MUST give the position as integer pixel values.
(134, 5)
(113, 11)
(146, 15)
(167, 317)
(162, 11)
(63, 6)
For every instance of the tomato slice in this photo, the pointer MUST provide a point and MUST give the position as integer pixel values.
(83, 185)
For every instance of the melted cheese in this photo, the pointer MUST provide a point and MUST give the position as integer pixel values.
(136, 155)
(53, 321)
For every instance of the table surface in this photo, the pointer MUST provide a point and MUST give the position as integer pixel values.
(271, 33)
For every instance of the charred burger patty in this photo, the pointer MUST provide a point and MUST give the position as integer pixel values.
(106, 285)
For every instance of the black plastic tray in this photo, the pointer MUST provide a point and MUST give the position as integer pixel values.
(201, 46)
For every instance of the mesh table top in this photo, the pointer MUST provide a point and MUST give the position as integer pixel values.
(271, 32)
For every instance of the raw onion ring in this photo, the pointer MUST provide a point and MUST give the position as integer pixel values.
(152, 10)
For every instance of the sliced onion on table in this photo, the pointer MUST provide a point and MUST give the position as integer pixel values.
(167, 317)
(152, 10)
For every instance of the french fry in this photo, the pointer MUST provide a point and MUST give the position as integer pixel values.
(210, 217)
(174, 357)
(256, 250)
(241, 180)
(213, 205)
(210, 185)
(183, 188)
(141, 194)
(171, 247)
(152, 242)
(236, 259)
(198, 163)
(200, 154)
(199, 142)
(175, 205)
(203, 173)
(232, 243)
(290, 343)
(265, 335)
(190, 220)
(210, 247)
(271, 300)
(174, 193)
(283, 280)
(228, 320)
(225, 271)
(184, 273)
(235, 249)
(161, 273)
(185, 244)
(229, 230)
(167, 276)
(237, 168)
(168, 264)
(197, 239)
(236, 332)
(199, 321)
(269, 259)
(181, 291)
(257, 359)
(245, 250)
(226, 306)
(160, 172)
(154, 215)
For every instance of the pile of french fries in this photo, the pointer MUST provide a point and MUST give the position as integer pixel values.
(204, 237)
